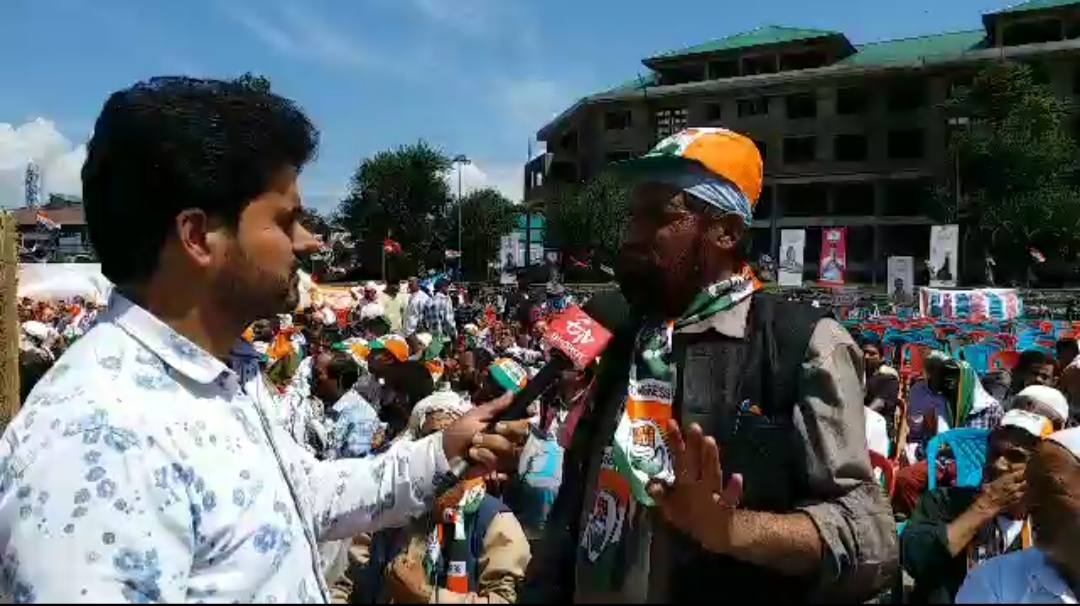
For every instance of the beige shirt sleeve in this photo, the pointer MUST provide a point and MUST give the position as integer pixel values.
(849, 509)
(502, 566)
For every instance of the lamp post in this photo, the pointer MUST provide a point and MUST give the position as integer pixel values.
(459, 160)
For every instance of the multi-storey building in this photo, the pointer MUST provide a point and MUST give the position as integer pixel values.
(852, 135)
(68, 242)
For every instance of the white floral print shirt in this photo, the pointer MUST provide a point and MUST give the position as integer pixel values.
(143, 469)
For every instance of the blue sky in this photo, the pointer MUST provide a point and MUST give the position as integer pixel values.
(477, 77)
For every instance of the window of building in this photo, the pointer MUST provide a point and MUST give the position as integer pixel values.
(713, 112)
(799, 150)
(760, 242)
(763, 149)
(851, 101)
(907, 144)
(618, 156)
(850, 148)
(1031, 32)
(669, 121)
(1072, 29)
(759, 65)
(800, 106)
(959, 83)
(563, 172)
(907, 197)
(806, 60)
(853, 199)
(569, 141)
(618, 120)
(804, 200)
(908, 94)
(756, 106)
(682, 74)
(764, 208)
(723, 69)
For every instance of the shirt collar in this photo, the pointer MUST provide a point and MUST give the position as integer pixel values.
(730, 322)
(1045, 577)
(175, 350)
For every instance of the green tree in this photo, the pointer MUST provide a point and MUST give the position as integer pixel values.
(315, 222)
(255, 82)
(590, 220)
(486, 216)
(1013, 162)
(400, 194)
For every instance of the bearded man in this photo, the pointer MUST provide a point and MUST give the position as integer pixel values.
(716, 373)
(146, 465)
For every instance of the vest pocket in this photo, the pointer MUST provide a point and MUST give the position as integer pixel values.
(760, 449)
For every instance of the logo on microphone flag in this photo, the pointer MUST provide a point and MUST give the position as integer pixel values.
(578, 336)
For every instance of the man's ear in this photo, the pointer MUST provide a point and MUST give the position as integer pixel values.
(198, 236)
(730, 233)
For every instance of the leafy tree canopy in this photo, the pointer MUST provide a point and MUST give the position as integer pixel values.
(1015, 158)
(590, 220)
(255, 82)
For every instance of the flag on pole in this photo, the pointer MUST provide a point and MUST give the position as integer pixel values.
(391, 247)
(43, 220)
(453, 254)
(1038, 256)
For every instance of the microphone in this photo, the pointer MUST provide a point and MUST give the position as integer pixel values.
(577, 337)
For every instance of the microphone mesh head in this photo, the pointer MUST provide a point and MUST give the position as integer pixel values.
(608, 308)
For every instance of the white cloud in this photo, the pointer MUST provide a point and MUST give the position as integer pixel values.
(38, 141)
(301, 33)
(530, 103)
(505, 177)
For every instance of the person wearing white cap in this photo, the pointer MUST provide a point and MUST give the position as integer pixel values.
(1045, 401)
(957, 528)
(1049, 573)
(369, 304)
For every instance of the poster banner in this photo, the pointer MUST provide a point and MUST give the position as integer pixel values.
(507, 258)
(833, 256)
(901, 271)
(792, 245)
(944, 248)
(976, 303)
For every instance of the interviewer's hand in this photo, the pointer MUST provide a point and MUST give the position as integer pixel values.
(465, 438)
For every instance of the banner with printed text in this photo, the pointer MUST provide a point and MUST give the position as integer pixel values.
(833, 256)
(944, 250)
(976, 303)
(792, 245)
(901, 282)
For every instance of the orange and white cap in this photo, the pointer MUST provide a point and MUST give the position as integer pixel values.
(395, 344)
(722, 153)
(1035, 424)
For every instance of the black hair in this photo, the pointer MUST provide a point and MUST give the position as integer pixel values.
(482, 358)
(378, 326)
(343, 368)
(174, 143)
(32, 367)
(1066, 346)
(412, 380)
(406, 383)
(1031, 359)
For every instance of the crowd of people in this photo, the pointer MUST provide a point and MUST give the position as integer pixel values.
(190, 441)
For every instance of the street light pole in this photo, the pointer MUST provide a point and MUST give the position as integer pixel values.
(459, 160)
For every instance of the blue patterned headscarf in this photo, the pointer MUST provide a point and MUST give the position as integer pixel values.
(715, 191)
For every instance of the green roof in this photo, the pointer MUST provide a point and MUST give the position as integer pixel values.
(768, 34)
(914, 51)
(1036, 5)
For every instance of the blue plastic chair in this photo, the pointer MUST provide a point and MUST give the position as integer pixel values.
(968, 447)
